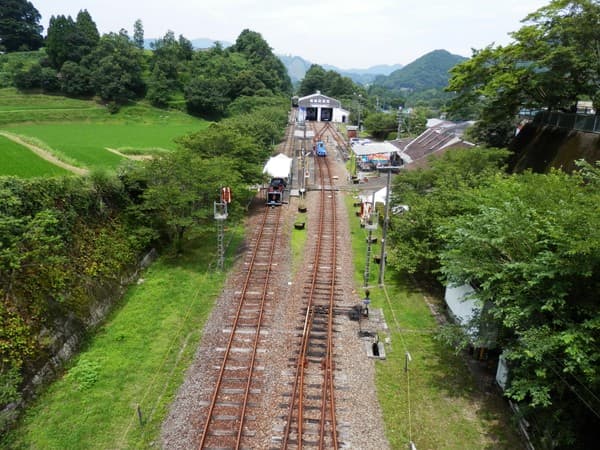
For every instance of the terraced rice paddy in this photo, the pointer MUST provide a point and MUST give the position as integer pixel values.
(82, 132)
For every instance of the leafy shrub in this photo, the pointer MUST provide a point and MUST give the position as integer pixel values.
(85, 373)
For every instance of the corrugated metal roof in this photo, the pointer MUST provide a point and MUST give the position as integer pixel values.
(373, 147)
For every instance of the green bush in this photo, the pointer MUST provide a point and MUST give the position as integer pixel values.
(85, 373)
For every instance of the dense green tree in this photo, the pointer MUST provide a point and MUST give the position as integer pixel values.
(186, 48)
(216, 77)
(86, 36)
(433, 195)
(138, 34)
(532, 247)
(247, 137)
(552, 62)
(265, 125)
(19, 26)
(75, 80)
(313, 81)
(169, 58)
(182, 187)
(70, 40)
(380, 125)
(159, 89)
(116, 68)
(246, 83)
(249, 104)
(37, 77)
(61, 31)
(207, 97)
(328, 82)
(223, 141)
(269, 68)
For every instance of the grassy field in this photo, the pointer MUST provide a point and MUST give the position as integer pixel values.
(436, 404)
(18, 107)
(138, 357)
(20, 162)
(13, 100)
(80, 131)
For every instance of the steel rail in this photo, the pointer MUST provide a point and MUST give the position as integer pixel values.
(222, 369)
(327, 386)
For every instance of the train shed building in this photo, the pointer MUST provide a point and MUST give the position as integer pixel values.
(320, 108)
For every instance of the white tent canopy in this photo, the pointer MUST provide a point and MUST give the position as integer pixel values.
(379, 196)
(278, 166)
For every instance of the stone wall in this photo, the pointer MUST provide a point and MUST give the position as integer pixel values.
(545, 147)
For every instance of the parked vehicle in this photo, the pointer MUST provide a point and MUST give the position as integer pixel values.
(321, 150)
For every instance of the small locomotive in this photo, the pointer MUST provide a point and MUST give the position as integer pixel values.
(275, 191)
(320, 149)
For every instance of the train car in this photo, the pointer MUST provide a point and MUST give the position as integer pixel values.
(295, 99)
(275, 191)
(321, 150)
(278, 168)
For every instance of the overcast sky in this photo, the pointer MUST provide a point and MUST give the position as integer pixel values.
(344, 33)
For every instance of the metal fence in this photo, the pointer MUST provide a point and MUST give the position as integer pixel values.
(570, 121)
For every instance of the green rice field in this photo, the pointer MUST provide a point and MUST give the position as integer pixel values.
(80, 132)
(87, 143)
(20, 162)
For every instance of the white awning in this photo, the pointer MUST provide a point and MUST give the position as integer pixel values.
(379, 196)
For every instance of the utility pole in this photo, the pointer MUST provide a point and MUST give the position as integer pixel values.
(220, 214)
(399, 121)
(359, 106)
(386, 219)
(370, 225)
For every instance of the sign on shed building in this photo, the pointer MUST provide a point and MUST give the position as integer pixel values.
(320, 108)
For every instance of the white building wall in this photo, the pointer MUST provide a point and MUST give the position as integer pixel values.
(340, 115)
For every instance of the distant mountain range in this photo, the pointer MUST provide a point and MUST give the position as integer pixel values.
(430, 71)
(297, 67)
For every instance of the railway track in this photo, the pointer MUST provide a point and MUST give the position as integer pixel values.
(232, 407)
(311, 417)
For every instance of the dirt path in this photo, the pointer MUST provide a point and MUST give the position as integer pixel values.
(44, 154)
(133, 157)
